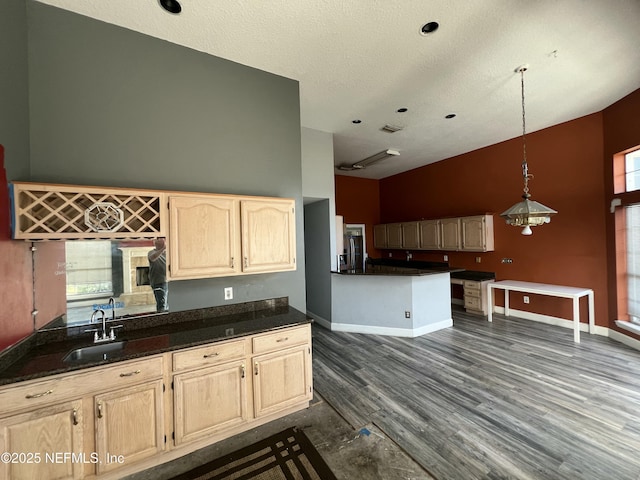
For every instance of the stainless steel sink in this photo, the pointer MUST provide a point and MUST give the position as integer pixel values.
(94, 352)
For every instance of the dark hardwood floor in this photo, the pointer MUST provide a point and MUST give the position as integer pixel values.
(514, 399)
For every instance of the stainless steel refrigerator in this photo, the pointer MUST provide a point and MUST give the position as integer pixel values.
(353, 253)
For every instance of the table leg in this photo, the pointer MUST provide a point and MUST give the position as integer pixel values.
(506, 302)
(592, 314)
(490, 303)
(576, 319)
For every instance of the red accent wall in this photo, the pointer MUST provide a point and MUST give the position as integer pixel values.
(567, 163)
(358, 201)
(15, 273)
(621, 126)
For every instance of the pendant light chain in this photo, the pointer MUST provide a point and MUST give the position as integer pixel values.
(525, 167)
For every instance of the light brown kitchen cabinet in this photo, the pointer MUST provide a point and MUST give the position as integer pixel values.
(268, 235)
(129, 425)
(210, 400)
(281, 370)
(450, 234)
(394, 235)
(475, 296)
(477, 233)
(430, 238)
(410, 235)
(380, 236)
(204, 236)
(53, 211)
(33, 435)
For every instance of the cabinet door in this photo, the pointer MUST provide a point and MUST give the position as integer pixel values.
(281, 380)
(450, 234)
(204, 237)
(429, 234)
(42, 432)
(268, 235)
(209, 400)
(410, 235)
(477, 233)
(394, 235)
(380, 236)
(129, 425)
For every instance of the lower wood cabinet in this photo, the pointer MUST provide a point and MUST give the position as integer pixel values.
(129, 425)
(209, 400)
(122, 418)
(35, 437)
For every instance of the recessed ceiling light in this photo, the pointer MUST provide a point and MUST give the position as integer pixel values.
(402, 110)
(451, 115)
(356, 121)
(171, 6)
(428, 28)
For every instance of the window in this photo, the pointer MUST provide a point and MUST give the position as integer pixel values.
(632, 171)
(632, 214)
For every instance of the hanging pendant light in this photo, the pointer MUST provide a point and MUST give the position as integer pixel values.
(527, 213)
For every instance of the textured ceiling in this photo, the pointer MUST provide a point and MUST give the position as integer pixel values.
(364, 59)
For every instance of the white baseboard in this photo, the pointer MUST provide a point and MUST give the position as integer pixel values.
(559, 322)
(622, 338)
(392, 331)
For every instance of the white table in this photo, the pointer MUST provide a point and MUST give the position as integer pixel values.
(574, 293)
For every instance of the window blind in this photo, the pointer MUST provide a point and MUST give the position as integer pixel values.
(633, 259)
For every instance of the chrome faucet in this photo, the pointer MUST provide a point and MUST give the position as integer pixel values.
(97, 338)
(112, 304)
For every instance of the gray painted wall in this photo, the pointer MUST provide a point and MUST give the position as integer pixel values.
(114, 107)
(14, 94)
(318, 187)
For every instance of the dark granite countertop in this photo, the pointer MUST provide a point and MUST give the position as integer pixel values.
(459, 273)
(474, 275)
(42, 353)
(409, 273)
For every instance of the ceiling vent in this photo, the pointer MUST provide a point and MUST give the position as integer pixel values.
(391, 128)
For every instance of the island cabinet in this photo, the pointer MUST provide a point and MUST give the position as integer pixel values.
(221, 235)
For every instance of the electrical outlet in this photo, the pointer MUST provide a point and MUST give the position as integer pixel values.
(525, 299)
(507, 260)
(446, 258)
(407, 314)
(228, 293)
(390, 254)
(478, 259)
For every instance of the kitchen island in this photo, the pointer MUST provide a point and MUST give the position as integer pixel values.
(391, 303)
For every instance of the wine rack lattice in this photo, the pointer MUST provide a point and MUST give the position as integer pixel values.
(43, 212)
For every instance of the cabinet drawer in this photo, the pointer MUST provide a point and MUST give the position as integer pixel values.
(471, 285)
(57, 388)
(472, 303)
(281, 339)
(212, 354)
(472, 292)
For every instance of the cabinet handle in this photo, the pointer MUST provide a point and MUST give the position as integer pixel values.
(232, 264)
(75, 416)
(255, 368)
(246, 262)
(242, 371)
(282, 339)
(99, 409)
(209, 355)
(38, 395)
(130, 374)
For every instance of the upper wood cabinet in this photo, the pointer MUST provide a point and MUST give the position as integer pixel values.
(477, 233)
(468, 234)
(429, 234)
(450, 234)
(380, 236)
(204, 238)
(49, 211)
(410, 235)
(268, 235)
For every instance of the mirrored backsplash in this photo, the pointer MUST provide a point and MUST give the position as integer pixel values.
(74, 279)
